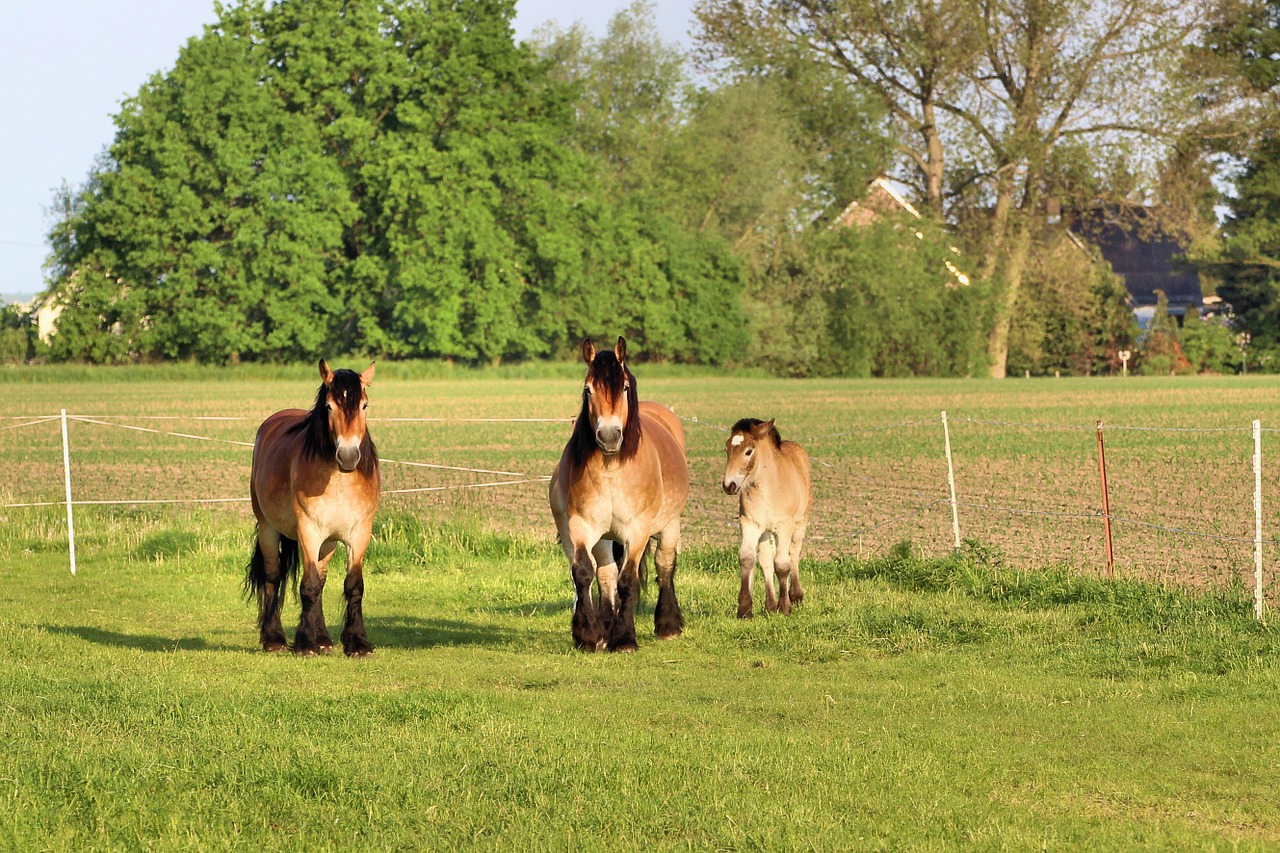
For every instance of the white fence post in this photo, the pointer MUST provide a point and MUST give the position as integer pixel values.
(1257, 519)
(66, 469)
(951, 482)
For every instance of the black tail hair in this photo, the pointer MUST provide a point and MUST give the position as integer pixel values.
(255, 579)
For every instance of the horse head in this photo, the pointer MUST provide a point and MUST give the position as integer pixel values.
(610, 407)
(346, 402)
(743, 452)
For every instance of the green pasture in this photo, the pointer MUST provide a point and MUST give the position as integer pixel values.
(1000, 697)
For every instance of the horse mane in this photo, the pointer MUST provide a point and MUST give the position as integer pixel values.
(613, 374)
(749, 424)
(316, 441)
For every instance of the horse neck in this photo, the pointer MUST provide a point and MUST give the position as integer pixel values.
(768, 458)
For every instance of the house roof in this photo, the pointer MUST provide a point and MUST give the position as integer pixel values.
(1147, 263)
(882, 198)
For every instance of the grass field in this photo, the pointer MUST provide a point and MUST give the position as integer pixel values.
(1004, 697)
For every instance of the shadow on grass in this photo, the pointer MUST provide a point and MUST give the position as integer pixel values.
(406, 632)
(141, 642)
(392, 632)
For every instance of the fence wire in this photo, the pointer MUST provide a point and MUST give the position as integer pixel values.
(906, 494)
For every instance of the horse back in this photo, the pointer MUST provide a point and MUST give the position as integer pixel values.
(662, 429)
(782, 492)
(800, 476)
(656, 413)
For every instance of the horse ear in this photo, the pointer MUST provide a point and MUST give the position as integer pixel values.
(326, 375)
(588, 351)
(620, 350)
(366, 378)
(759, 431)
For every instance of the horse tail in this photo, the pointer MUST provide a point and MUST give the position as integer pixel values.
(642, 568)
(255, 579)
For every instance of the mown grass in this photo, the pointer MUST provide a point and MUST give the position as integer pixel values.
(910, 702)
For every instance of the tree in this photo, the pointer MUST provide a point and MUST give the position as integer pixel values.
(984, 93)
(1161, 343)
(385, 177)
(1208, 343)
(1079, 316)
(1245, 81)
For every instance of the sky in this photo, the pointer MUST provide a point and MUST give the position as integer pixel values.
(68, 64)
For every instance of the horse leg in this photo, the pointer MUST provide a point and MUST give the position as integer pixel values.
(768, 551)
(751, 534)
(607, 578)
(324, 644)
(311, 590)
(797, 545)
(587, 632)
(623, 636)
(782, 566)
(270, 594)
(668, 621)
(354, 640)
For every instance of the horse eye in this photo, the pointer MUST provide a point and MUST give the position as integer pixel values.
(328, 407)
(364, 405)
(748, 452)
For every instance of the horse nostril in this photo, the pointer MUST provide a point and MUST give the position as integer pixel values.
(730, 487)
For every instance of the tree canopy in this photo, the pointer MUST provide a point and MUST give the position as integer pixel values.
(384, 177)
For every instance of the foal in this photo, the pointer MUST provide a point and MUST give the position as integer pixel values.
(771, 479)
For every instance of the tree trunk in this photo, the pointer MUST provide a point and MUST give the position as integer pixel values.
(1014, 265)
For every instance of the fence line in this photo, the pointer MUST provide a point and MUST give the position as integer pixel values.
(43, 420)
(1258, 540)
(69, 502)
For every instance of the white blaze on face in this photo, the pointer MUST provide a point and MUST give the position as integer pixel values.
(737, 439)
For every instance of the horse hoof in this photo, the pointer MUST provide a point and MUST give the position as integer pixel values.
(304, 653)
(744, 614)
(625, 647)
(274, 647)
(361, 654)
(669, 635)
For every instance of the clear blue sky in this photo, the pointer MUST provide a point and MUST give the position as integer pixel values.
(67, 65)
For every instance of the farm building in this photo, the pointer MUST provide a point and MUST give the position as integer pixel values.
(1148, 260)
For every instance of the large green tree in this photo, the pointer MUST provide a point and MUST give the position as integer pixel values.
(387, 176)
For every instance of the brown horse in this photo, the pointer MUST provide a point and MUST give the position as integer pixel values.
(771, 479)
(622, 480)
(314, 483)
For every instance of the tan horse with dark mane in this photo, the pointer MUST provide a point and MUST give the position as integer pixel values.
(771, 479)
(314, 483)
(621, 481)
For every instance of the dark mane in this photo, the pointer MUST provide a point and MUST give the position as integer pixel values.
(612, 374)
(316, 442)
(748, 424)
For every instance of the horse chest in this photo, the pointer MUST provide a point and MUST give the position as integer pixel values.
(618, 500)
(325, 505)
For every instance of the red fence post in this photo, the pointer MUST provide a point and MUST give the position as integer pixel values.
(1106, 506)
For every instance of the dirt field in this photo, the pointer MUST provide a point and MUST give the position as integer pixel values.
(1179, 456)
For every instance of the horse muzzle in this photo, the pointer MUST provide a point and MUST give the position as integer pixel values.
(609, 440)
(730, 487)
(348, 458)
